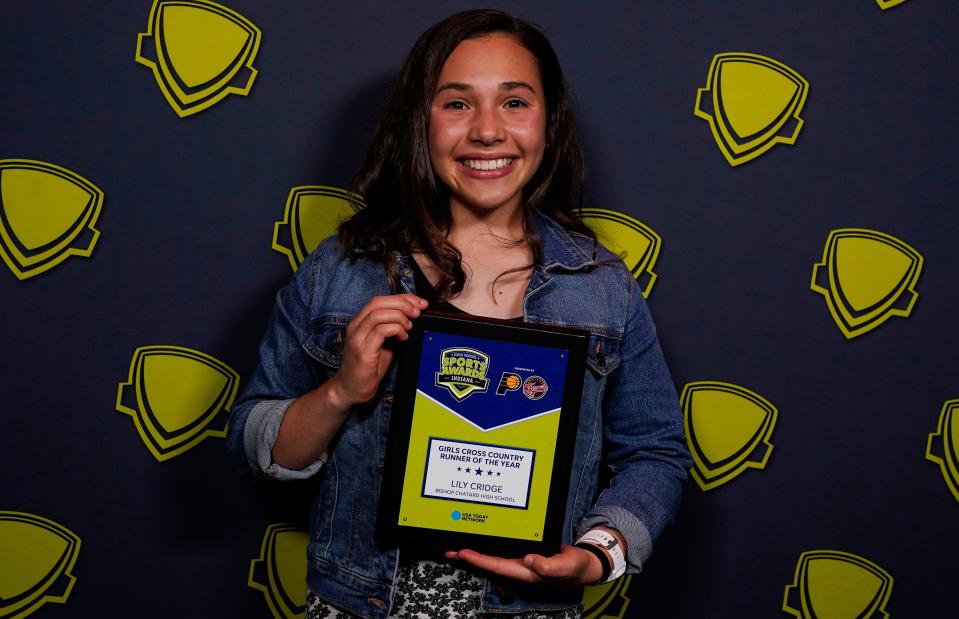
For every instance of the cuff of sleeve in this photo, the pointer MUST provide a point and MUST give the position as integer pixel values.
(638, 541)
(259, 435)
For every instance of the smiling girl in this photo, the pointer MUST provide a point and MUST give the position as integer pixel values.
(471, 185)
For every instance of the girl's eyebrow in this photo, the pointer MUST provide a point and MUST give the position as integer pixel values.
(461, 87)
(515, 85)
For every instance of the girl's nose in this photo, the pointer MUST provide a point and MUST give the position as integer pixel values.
(486, 128)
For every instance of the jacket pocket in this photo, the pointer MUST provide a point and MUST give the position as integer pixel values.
(325, 344)
(603, 354)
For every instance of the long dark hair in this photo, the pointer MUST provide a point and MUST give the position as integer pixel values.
(406, 207)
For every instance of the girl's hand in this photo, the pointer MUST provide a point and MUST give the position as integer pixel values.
(573, 566)
(365, 358)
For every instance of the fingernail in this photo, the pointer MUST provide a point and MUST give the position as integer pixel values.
(528, 560)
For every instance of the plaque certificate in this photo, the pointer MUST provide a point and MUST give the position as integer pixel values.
(481, 436)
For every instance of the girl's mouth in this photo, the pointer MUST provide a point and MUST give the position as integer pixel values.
(488, 164)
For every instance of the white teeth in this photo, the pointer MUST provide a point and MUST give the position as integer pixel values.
(487, 164)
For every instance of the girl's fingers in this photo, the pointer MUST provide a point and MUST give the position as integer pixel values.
(411, 305)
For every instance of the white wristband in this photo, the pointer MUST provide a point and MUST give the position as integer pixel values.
(607, 542)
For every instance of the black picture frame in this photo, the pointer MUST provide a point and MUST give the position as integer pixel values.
(541, 341)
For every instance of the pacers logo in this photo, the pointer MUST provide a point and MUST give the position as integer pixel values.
(174, 394)
(38, 556)
(727, 429)
(47, 214)
(312, 213)
(280, 571)
(943, 446)
(637, 244)
(866, 277)
(888, 4)
(463, 372)
(608, 600)
(832, 583)
(199, 52)
(751, 104)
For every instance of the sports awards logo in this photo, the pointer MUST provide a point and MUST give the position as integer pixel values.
(635, 242)
(173, 395)
(280, 570)
(942, 447)
(888, 4)
(866, 277)
(832, 583)
(312, 213)
(47, 214)
(199, 51)
(38, 558)
(727, 429)
(751, 103)
(463, 372)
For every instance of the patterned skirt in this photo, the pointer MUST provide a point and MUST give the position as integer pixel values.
(428, 589)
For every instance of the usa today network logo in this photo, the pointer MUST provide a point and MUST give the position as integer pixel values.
(468, 517)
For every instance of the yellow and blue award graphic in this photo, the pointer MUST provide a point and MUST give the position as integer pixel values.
(751, 103)
(608, 600)
(312, 213)
(174, 395)
(833, 583)
(38, 556)
(47, 214)
(199, 51)
(943, 446)
(635, 242)
(888, 4)
(727, 428)
(280, 570)
(867, 277)
(482, 442)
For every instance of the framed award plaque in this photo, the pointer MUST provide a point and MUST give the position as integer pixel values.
(481, 436)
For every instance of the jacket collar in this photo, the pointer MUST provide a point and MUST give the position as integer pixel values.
(562, 249)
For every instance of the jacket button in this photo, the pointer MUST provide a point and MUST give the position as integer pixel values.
(377, 602)
(388, 398)
(600, 357)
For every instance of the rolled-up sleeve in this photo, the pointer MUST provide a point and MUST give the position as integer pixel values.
(643, 439)
(283, 373)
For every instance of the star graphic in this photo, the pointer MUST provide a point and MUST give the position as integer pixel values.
(479, 471)
(468, 471)
(498, 473)
(459, 468)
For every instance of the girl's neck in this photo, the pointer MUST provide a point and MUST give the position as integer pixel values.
(470, 224)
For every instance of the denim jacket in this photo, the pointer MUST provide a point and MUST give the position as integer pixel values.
(629, 418)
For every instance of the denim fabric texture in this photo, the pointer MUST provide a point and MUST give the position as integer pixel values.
(629, 417)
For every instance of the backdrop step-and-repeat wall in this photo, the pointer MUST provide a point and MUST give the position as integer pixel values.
(781, 177)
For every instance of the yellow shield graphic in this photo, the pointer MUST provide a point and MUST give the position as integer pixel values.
(751, 103)
(888, 4)
(837, 585)
(280, 571)
(727, 429)
(312, 213)
(199, 51)
(943, 445)
(47, 214)
(608, 600)
(636, 243)
(866, 277)
(37, 558)
(174, 394)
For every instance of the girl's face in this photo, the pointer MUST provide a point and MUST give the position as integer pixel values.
(487, 130)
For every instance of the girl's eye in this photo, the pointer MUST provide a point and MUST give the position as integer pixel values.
(516, 103)
(455, 105)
